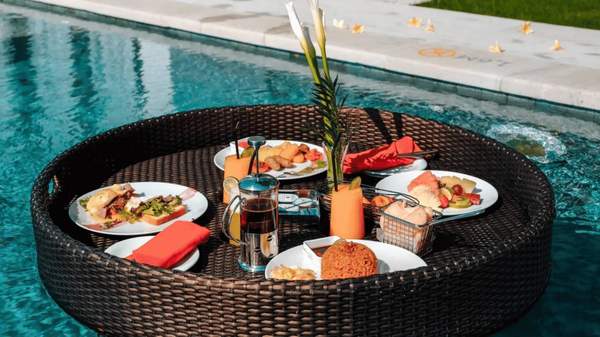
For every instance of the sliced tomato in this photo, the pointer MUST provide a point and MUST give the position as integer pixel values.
(444, 201)
(243, 143)
(262, 168)
(457, 189)
(474, 198)
(313, 155)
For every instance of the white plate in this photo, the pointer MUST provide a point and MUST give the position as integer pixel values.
(219, 160)
(195, 205)
(125, 248)
(417, 165)
(399, 183)
(390, 258)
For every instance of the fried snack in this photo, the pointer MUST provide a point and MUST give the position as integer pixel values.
(345, 259)
(299, 158)
(268, 151)
(286, 163)
(292, 273)
(273, 163)
(303, 148)
(289, 151)
(381, 201)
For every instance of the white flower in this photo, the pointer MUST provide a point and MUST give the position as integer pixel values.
(303, 36)
(556, 46)
(319, 22)
(526, 28)
(339, 24)
(430, 27)
(496, 48)
(295, 23)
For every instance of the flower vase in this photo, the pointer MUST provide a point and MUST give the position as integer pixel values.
(335, 159)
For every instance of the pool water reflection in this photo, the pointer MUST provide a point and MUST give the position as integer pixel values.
(63, 80)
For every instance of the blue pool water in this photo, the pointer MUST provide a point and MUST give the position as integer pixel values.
(63, 80)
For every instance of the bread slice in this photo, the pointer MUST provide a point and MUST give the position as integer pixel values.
(159, 220)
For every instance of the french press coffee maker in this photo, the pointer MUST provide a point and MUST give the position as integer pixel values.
(259, 218)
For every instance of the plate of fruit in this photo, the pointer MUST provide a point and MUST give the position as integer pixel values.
(450, 193)
(283, 159)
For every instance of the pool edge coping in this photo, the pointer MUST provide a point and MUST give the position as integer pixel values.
(378, 51)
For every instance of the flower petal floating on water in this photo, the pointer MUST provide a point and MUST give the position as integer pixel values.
(415, 22)
(496, 48)
(526, 28)
(556, 46)
(339, 24)
(357, 28)
(430, 27)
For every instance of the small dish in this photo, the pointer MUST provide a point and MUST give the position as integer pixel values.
(286, 174)
(390, 258)
(309, 246)
(125, 248)
(196, 204)
(399, 183)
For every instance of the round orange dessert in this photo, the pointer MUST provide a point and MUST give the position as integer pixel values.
(345, 259)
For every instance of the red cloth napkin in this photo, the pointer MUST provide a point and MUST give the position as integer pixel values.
(171, 245)
(381, 158)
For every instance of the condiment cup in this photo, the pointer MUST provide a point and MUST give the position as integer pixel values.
(308, 246)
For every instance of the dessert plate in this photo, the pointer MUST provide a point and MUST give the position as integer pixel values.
(390, 258)
(399, 183)
(285, 174)
(125, 248)
(194, 201)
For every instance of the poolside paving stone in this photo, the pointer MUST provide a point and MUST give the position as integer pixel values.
(457, 52)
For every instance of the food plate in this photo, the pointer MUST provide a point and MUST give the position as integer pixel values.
(399, 183)
(417, 165)
(390, 258)
(125, 248)
(195, 203)
(219, 160)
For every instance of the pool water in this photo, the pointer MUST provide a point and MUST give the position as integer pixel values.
(63, 79)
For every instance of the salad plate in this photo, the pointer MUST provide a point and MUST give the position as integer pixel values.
(486, 193)
(195, 204)
(390, 258)
(305, 169)
(125, 248)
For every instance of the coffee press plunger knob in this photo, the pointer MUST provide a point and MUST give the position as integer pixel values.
(256, 141)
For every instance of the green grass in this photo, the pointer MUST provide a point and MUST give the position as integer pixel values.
(576, 13)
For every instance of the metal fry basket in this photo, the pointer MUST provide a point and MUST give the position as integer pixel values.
(393, 230)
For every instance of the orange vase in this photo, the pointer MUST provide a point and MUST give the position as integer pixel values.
(347, 215)
(237, 168)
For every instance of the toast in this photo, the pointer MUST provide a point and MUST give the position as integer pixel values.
(164, 217)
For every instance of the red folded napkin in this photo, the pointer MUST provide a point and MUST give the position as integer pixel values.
(382, 157)
(171, 245)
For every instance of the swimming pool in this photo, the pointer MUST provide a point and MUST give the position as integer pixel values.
(63, 80)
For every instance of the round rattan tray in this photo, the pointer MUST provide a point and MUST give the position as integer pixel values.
(482, 274)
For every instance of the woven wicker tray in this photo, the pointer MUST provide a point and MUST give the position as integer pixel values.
(482, 273)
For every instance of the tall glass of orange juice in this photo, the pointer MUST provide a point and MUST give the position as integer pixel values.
(237, 168)
(347, 215)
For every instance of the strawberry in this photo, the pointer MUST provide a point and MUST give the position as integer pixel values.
(457, 189)
(474, 198)
(443, 201)
(243, 143)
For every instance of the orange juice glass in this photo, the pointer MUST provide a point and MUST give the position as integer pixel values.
(237, 168)
(347, 214)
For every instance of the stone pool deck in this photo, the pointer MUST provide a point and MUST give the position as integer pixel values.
(456, 52)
